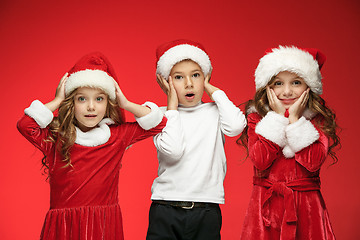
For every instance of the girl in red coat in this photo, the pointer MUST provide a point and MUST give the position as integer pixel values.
(290, 133)
(83, 146)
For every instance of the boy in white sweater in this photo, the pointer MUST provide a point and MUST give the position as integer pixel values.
(192, 163)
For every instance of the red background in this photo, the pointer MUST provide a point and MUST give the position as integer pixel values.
(41, 40)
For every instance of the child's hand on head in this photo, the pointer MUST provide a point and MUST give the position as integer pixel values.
(169, 89)
(296, 110)
(120, 97)
(274, 103)
(59, 94)
(209, 89)
(60, 90)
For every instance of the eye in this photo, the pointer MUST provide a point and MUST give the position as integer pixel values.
(196, 75)
(81, 99)
(297, 82)
(277, 83)
(178, 77)
(99, 99)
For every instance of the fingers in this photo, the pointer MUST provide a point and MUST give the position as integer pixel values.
(60, 90)
(274, 102)
(270, 95)
(306, 98)
(303, 99)
(116, 84)
(297, 109)
(172, 96)
(164, 85)
(207, 78)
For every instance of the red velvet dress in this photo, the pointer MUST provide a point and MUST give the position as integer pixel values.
(286, 202)
(84, 198)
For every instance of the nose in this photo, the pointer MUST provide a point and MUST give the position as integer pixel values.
(91, 106)
(287, 90)
(188, 82)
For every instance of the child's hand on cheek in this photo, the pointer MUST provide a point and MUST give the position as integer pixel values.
(296, 110)
(209, 89)
(169, 90)
(274, 103)
(120, 97)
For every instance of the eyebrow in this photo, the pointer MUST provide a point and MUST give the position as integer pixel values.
(81, 93)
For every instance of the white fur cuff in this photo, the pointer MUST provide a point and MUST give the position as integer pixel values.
(272, 127)
(152, 119)
(301, 134)
(40, 113)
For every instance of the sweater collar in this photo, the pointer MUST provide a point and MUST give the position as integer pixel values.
(192, 107)
(96, 136)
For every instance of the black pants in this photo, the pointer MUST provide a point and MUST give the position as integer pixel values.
(175, 223)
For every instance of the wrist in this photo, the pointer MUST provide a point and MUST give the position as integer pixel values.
(172, 106)
(126, 105)
(58, 100)
(293, 119)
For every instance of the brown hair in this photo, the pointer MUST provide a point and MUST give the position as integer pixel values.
(326, 119)
(63, 131)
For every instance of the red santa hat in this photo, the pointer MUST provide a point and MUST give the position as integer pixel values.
(305, 62)
(92, 70)
(168, 54)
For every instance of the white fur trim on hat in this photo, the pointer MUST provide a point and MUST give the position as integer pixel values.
(179, 53)
(40, 113)
(152, 119)
(272, 127)
(290, 59)
(300, 135)
(91, 78)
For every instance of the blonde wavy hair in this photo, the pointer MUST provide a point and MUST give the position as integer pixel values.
(325, 118)
(63, 131)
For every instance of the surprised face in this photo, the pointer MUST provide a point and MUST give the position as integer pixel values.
(90, 106)
(188, 80)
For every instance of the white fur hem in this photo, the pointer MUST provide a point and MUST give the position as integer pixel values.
(152, 119)
(40, 113)
(272, 127)
(91, 78)
(300, 135)
(179, 53)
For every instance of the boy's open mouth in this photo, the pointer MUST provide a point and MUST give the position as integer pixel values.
(190, 95)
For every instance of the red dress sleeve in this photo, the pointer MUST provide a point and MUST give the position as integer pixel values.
(314, 155)
(262, 152)
(34, 134)
(135, 133)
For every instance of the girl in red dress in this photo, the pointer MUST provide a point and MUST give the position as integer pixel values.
(83, 146)
(290, 133)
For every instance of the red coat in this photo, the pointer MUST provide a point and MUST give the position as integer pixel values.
(84, 198)
(286, 202)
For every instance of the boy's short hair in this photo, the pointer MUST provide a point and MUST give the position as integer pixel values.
(169, 54)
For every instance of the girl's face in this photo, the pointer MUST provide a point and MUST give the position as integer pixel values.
(288, 87)
(188, 79)
(90, 107)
